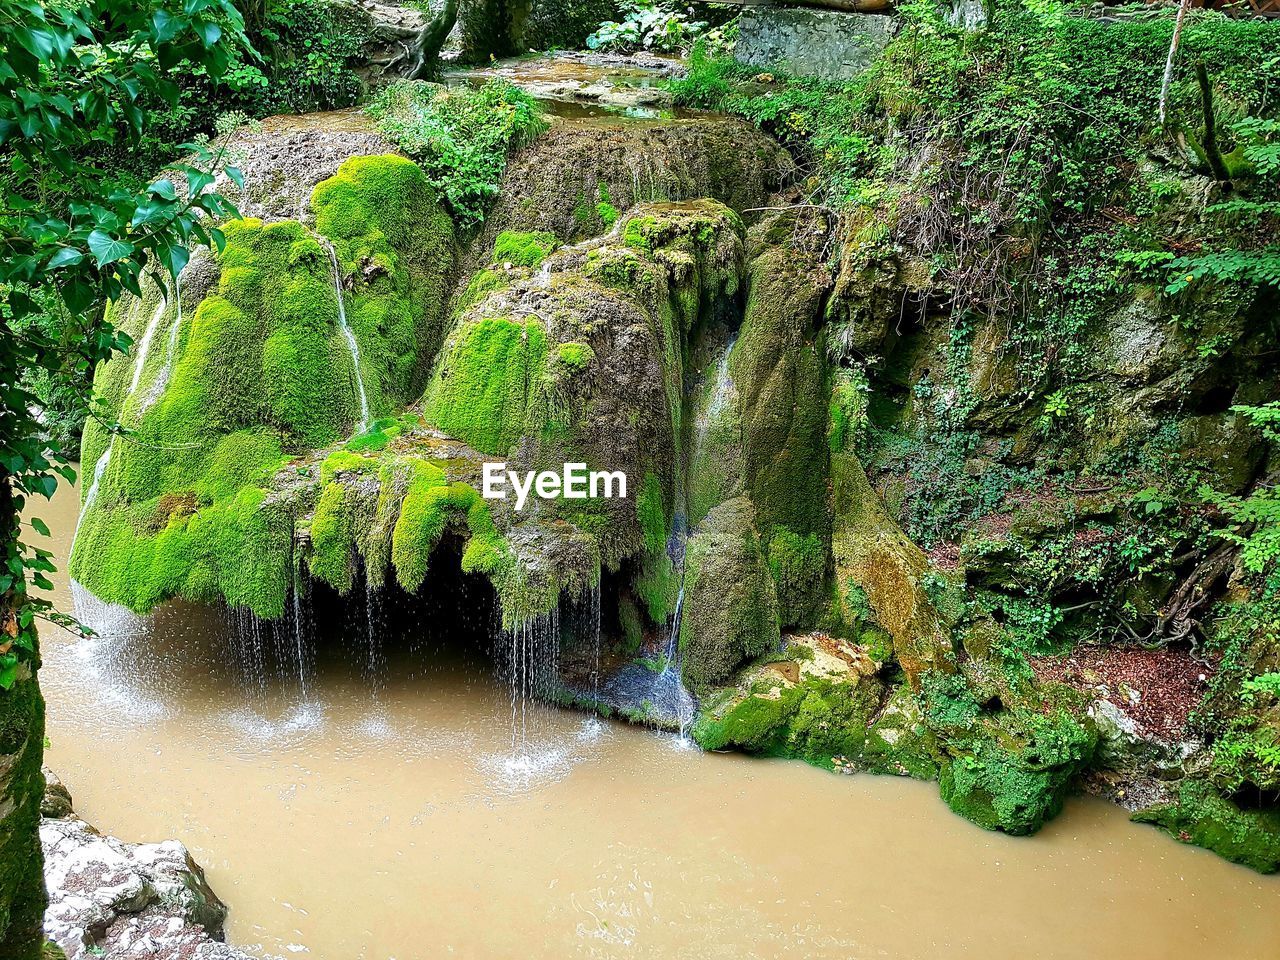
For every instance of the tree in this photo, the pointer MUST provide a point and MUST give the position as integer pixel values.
(75, 78)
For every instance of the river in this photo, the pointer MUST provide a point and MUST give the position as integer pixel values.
(348, 826)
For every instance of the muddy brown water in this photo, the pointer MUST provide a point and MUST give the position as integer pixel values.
(341, 828)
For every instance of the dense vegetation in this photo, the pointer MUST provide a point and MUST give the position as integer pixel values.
(990, 381)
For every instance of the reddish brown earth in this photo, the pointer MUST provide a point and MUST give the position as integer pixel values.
(1169, 683)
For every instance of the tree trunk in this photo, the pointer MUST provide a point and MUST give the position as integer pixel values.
(425, 55)
(22, 894)
(1169, 61)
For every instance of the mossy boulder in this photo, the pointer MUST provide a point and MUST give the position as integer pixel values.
(578, 178)
(778, 365)
(879, 571)
(1004, 769)
(730, 609)
(1201, 816)
(224, 390)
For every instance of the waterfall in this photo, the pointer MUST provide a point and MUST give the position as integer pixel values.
(532, 654)
(352, 346)
(669, 691)
(375, 664)
(144, 345)
(153, 394)
(300, 624)
(161, 382)
(595, 617)
(99, 469)
(248, 648)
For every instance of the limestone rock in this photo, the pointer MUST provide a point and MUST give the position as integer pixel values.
(730, 610)
(874, 555)
(830, 44)
(117, 899)
(56, 803)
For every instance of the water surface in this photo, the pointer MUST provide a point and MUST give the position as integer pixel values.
(406, 828)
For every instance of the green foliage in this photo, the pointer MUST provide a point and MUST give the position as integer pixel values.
(1015, 782)
(524, 249)
(74, 80)
(648, 25)
(462, 138)
(310, 49)
(1255, 519)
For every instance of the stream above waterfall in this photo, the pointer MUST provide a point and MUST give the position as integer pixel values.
(341, 825)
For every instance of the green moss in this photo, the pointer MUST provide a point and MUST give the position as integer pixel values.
(1012, 773)
(656, 584)
(481, 285)
(779, 372)
(632, 626)
(22, 892)
(797, 563)
(524, 249)
(575, 356)
(261, 373)
(730, 611)
(396, 243)
(819, 721)
(605, 210)
(492, 370)
(756, 724)
(639, 233)
(333, 539)
(1201, 816)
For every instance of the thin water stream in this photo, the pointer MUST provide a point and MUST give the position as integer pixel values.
(414, 837)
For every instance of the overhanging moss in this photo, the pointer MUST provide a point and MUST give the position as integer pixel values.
(259, 373)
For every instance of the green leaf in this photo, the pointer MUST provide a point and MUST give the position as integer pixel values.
(165, 26)
(108, 249)
(65, 257)
(163, 189)
(40, 526)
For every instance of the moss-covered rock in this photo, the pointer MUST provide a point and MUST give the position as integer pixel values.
(1203, 817)
(22, 893)
(1004, 769)
(880, 571)
(254, 373)
(779, 371)
(577, 178)
(730, 609)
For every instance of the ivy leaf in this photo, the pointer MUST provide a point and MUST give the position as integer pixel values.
(65, 257)
(40, 526)
(108, 249)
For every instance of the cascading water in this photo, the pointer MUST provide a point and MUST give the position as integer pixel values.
(161, 382)
(144, 345)
(375, 662)
(91, 495)
(353, 347)
(135, 381)
(531, 650)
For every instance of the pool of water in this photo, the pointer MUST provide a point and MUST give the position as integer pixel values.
(406, 825)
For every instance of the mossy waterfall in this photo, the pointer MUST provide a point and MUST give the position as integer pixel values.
(909, 447)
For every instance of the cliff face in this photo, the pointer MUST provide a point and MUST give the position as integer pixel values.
(893, 505)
